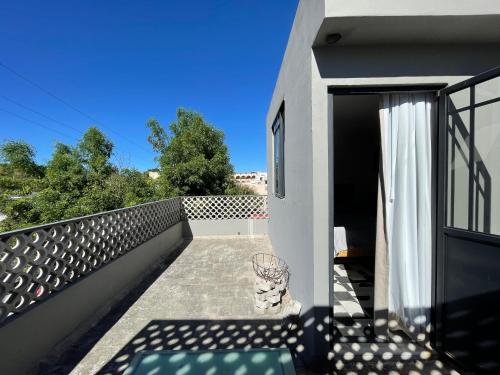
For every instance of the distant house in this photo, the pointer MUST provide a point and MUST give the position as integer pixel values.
(154, 174)
(257, 181)
(383, 144)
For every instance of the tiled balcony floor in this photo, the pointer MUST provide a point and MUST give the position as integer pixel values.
(201, 298)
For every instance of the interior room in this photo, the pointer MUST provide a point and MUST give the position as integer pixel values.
(356, 166)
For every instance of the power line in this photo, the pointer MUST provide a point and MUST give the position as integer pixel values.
(37, 123)
(44, 116)
(47, 92)
(41, 114)
(42, 125)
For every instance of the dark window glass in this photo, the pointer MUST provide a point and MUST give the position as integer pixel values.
(279, 153)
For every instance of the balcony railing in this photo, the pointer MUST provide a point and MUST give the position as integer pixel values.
(225, 207)
(38, 261)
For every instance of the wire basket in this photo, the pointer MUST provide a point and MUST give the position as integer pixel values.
(270, 268)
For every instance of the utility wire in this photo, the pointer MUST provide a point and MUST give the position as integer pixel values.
(34, 84)
(41, 114)
(37, 123)
(44, 116)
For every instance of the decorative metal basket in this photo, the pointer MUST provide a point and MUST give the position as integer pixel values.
(270, 268)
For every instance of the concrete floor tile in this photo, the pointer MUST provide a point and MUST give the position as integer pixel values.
(211, 279)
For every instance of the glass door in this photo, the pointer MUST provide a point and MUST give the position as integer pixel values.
(468, 233)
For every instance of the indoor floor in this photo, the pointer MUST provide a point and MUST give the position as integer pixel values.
(353, 301)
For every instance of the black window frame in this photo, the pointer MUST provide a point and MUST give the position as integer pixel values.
(278, 130)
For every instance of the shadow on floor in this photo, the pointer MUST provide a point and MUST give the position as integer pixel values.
(206, 335)
(475, 333)
(353, 300)
(72, 355)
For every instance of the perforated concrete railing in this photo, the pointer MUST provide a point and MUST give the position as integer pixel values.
(38, 261)
(224, 207)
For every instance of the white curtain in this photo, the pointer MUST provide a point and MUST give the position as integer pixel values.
(406, 121)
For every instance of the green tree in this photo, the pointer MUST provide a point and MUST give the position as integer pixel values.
(65, 181)
(20, 179)
(158, 137)
(236, 189)
(95, 151)
(194, 159)
(81, 180)
(96, 199)
(19, 212)
(65, 172)
(19, 174)
(20, 157)
(133, 186)
(139, 188)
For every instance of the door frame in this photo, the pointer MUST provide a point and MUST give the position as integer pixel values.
(385, 89)
(442, 230)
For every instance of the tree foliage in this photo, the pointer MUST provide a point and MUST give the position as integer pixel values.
(19, 156)
(238, 189)
(194, 160)
(65, 172)
(76, 181)
(81, 179)
(19, 174)
(158, 136)
(94, 151)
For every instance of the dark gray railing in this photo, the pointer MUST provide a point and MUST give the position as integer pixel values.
(35, 262)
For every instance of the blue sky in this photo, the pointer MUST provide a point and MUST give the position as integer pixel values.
(122, 62)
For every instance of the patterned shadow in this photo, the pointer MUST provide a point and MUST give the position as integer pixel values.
(205, 335)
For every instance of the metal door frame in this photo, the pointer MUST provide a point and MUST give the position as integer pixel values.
(442, 231)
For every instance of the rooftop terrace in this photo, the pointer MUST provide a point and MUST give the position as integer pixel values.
(85, 296)
(200, 297)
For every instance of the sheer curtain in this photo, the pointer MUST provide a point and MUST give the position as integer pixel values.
(406, 121)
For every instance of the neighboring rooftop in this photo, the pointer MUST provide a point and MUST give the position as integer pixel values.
(257, 181)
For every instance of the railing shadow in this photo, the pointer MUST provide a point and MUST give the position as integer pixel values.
(480, 197)
(479, 325)
(201, 335)
(195, 335)
(474, 339)
(76, 352)
(470, 335)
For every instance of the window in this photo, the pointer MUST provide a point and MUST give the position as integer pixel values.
(279, 153)
(473, 191)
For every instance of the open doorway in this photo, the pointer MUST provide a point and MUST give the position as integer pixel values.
(383, 213)
(356, 168)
